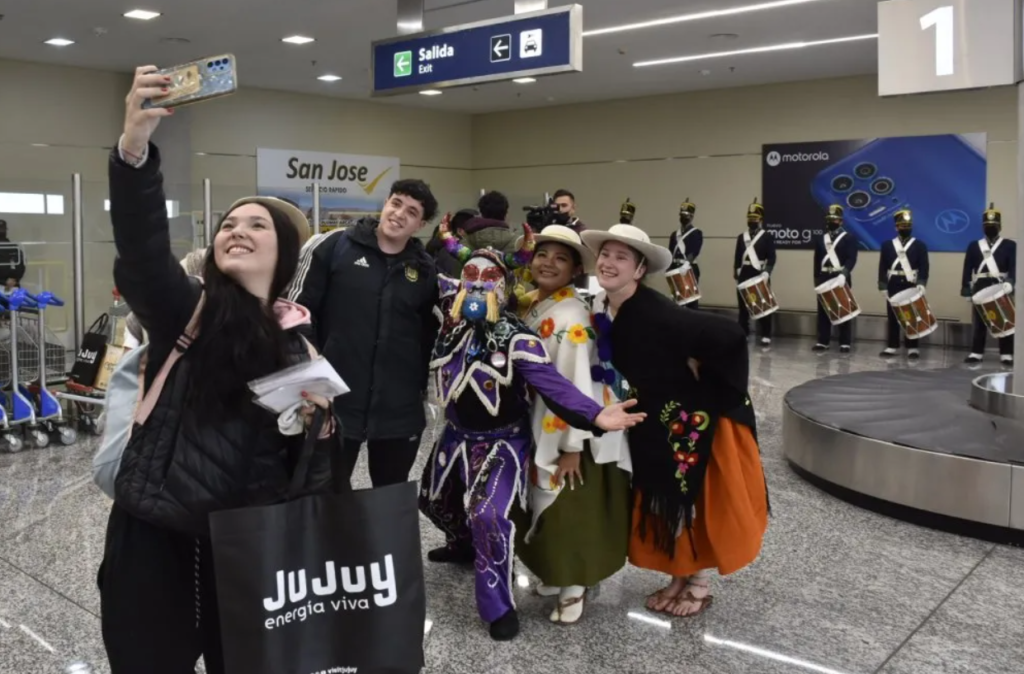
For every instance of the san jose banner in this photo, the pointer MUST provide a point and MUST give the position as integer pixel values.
(351, 186)
(941, 179)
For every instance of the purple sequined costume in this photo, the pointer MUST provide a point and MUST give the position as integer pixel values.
(480, 464)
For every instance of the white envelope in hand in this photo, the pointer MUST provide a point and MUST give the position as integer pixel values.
(282, 390)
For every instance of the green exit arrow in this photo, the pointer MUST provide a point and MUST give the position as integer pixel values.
(403, 64)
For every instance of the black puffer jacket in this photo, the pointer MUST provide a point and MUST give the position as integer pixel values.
(176, 470)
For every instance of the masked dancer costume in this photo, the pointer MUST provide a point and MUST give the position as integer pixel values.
(483, 361)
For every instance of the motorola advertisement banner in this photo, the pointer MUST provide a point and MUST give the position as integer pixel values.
(351, 186)
(942, 179)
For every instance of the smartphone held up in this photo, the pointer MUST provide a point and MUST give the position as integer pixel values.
(198, 81)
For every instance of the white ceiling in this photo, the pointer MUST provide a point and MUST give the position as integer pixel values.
(252, 30)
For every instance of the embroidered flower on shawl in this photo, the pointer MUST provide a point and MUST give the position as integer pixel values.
(684, 430)
(579, 334)
(547, 328)
(563, 294)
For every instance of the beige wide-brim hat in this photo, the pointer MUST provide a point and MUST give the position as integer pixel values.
(294, 215)
(658, 258)
(567, 237)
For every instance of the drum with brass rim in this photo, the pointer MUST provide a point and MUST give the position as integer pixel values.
(997, 310)
(682, 281)
(837, 300)
(913, 313)
(758, 296)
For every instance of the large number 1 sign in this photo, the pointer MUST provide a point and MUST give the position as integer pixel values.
(941, 20)
(943, 45)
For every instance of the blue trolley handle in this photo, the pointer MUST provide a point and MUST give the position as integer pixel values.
(45, 299)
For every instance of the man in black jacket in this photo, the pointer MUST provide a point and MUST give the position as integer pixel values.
(12, 260)
(372, 290)
(566, 202)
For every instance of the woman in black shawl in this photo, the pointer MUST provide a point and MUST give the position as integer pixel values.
(700, 499)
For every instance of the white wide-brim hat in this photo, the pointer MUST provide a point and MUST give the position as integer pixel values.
(567, 237)
(658, 258)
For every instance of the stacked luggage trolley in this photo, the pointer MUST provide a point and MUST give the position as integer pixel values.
(31, 359)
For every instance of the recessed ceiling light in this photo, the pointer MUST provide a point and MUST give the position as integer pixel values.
(754, 50)
(759, 7)
(430, 92)
(524, 80)
(298, 39)
(329, 78)
(59, 42)
(141, 15)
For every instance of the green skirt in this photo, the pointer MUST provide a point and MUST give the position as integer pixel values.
(583, 537)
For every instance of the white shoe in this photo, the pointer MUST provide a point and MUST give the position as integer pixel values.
(913, 354)
(543, 590)
(888, 353)
(766, 341)
(845, 348)
(1006, 360)
(974, 358)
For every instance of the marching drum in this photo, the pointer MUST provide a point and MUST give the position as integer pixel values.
(837, 300)
(913, 313)
(758, 296)
(682, 281)
(998, 313)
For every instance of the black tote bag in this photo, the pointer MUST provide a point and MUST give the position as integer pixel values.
(320, 584)
(91, 352)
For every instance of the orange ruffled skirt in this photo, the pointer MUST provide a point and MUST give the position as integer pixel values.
(731, 512)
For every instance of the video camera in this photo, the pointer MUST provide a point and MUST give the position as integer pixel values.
(539, 217)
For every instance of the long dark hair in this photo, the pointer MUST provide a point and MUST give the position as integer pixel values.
(239, 336)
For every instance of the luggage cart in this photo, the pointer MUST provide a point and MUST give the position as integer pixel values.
(25, 366)
(10, 439)
(50, 412)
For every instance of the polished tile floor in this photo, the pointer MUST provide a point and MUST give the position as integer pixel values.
(836, 590)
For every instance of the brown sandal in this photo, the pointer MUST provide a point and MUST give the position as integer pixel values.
(661, 595)
(704, 603)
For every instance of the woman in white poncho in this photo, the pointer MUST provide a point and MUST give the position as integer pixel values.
(576, 531)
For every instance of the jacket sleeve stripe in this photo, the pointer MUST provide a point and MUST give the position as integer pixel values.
(305, 262)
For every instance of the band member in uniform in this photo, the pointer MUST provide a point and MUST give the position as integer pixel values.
(755, 254)
(989, 261)
(835, 253)
(686, 242)
(902, 265)
(627, 212)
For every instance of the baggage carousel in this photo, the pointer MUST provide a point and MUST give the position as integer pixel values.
(943, 448)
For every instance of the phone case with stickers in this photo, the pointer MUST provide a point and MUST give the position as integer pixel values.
(198, 81)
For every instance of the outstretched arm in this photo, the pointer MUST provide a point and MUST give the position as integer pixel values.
(575, 408)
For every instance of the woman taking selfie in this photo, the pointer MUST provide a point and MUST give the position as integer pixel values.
(576, 532)
(700, 500)
(205, 446)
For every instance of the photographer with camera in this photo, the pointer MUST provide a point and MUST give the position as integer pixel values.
(566, 202)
